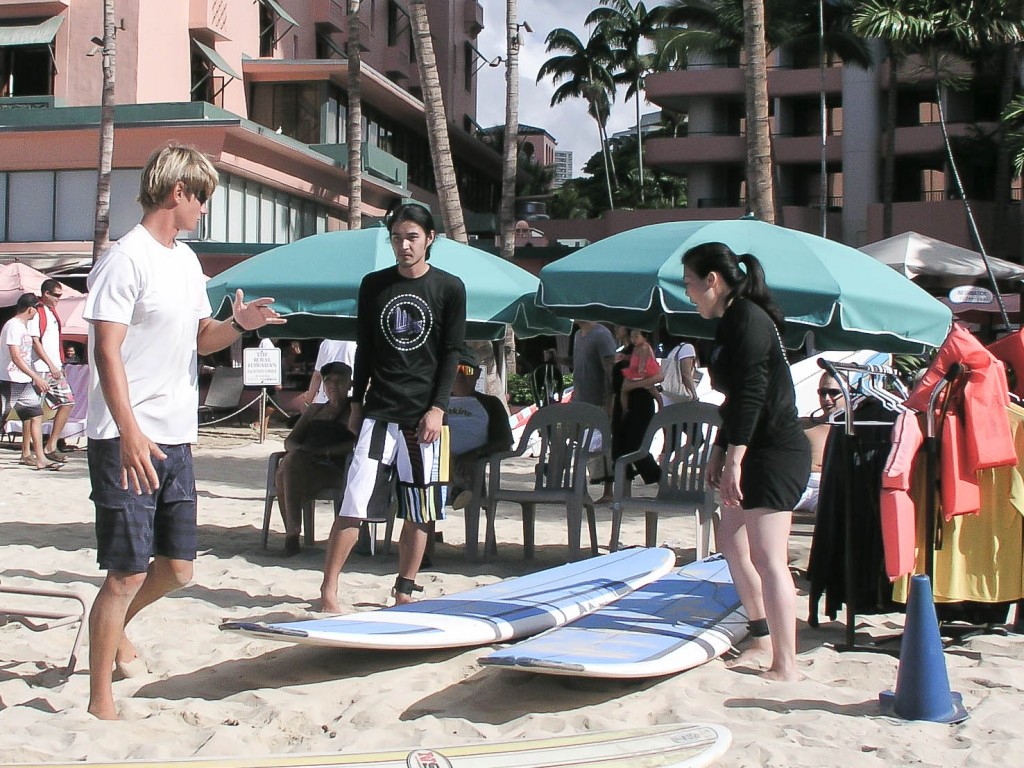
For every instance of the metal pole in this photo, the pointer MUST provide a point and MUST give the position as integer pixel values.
(823, 180)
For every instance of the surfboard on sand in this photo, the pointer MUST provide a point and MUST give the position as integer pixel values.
(681, 620)
(679, 745)
(506, 610)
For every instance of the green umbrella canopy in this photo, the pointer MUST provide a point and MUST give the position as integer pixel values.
(315, 284)
(846, 298)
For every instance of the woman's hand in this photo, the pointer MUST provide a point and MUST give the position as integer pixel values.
(729, 491)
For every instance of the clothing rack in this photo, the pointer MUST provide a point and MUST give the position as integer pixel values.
(850, 598)
(954, 377)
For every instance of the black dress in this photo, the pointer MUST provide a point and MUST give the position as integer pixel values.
(748, 365)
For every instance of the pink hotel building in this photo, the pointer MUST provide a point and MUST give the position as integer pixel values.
(258, 85)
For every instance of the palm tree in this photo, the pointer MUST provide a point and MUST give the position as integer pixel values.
(437, 125)
(760, 189)
(101, 229)
(583, 73)
(354, 120)
(941, 33)
(624, 27)
(506, 220)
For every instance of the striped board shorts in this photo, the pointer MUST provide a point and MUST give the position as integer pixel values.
(384, 449)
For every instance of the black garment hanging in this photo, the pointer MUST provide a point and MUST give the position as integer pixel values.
(859, 461)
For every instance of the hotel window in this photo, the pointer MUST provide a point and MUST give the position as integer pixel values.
(27, 57)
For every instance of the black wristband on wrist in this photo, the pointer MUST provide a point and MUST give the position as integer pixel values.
(238, 326)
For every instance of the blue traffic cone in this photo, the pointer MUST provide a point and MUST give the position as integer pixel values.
(922, 684)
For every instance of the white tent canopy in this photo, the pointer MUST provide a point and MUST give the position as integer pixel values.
(915, 255)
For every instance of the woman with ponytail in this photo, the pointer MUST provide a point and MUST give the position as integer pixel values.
(761, 460)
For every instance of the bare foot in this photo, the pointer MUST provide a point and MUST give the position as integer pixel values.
(105, 711)
(758, 653)
(781, 675)
(402, 599)
(327, 604)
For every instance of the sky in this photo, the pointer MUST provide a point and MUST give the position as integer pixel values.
(568, 122)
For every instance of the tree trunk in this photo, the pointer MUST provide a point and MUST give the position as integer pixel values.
(511, 148)
(354, 120)
(437, 125)
(889, 159)
(639, 142)
(760, 185)
(101, 229)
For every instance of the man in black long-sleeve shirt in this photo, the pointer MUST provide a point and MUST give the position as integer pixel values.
(411, 328)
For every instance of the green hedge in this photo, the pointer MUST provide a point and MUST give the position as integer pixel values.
(519, 392)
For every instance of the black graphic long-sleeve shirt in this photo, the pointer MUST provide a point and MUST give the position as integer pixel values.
(410, 335)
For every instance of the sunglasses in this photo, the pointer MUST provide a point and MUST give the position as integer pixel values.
(202, 197)
(55, 295)
(833, 393)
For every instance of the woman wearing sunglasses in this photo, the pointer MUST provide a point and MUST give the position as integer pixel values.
(817, 427)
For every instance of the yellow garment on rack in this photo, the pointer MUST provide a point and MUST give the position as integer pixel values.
(982, 556)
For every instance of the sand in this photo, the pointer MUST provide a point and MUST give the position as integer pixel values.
(211, 693)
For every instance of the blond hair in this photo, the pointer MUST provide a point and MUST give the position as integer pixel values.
(169, 165)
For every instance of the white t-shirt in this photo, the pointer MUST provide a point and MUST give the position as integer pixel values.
(160, 294)
(50, 338)
(15, 333)
(333, 351)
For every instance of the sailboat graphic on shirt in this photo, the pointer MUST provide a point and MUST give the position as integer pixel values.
(403, 323)
(406, 321)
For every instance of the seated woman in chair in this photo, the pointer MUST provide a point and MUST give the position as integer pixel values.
(317, 450)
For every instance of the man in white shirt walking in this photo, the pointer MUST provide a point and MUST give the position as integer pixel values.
(20, 385)
(49, 362)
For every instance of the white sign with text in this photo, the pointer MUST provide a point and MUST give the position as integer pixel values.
(261, 367)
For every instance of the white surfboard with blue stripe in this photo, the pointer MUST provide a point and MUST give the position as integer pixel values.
(500, 612)
(681, 620)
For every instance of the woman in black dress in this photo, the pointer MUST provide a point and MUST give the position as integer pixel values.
(761, 460)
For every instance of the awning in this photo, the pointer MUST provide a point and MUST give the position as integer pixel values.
(33, 34)
(216, 59)
(281, 12)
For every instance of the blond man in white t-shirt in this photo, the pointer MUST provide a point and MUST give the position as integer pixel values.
(149, 317)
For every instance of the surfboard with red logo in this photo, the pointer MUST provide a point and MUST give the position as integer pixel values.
(679, 745)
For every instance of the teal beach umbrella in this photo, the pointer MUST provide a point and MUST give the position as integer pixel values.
(315, 284)
(844, 297)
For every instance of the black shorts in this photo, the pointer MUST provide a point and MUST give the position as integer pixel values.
(775, 476)
(133, 528)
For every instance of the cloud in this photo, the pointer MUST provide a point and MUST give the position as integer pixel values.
(568, 122)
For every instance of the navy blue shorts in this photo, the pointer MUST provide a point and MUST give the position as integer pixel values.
(132, 528)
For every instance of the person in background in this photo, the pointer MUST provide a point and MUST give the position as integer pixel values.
(817, 428)
(679, 375)
(761, 460)
(149, 316)
(21, 386)
(478, 426)
(330, 351)
(48, 352)
(411, 329)
(71, 356)
(317, 450)
(635, 377)
(593, 355)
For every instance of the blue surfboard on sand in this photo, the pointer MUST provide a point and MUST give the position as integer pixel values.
(681, 620)
(500, 612)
